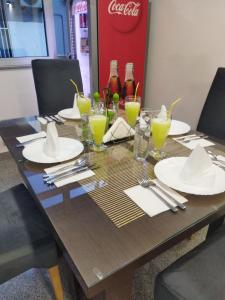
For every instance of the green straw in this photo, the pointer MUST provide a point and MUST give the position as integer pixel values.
(135, 94)
(172, 105)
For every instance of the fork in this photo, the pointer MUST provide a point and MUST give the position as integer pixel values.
(79, 163)
(149, 183)
(146, 184)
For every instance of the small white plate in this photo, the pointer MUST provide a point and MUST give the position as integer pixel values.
(178, 127)
(68, 149)
(168, 172)
(69, 113)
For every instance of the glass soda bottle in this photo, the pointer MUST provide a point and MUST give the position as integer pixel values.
(129, 83)
(114, 83)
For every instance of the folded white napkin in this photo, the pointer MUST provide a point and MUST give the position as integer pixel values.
(149, 202)
(163, 113)
(3, 147)
(119, 130)
(192, 144)
(198, 166)
(75, 107)
(30, 137)
(51, 145)
(74, 178)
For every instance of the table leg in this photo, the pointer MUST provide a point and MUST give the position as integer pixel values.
(214, 226)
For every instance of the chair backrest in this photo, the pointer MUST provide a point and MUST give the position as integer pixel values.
(52, 83)
(212, 119)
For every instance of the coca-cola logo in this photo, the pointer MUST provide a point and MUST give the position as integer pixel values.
(127, 9)
(124, 14)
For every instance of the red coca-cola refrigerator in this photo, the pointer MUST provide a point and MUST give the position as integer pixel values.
(122, 45)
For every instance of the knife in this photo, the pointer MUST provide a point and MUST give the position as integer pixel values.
(71, 173)
(65, 171)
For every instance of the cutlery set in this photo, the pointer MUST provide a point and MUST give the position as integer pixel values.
(28, 142)
(79, 166)
(149, 184)
(191, 137)
(54, 118)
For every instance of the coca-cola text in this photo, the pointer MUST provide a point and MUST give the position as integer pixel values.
(129, 9)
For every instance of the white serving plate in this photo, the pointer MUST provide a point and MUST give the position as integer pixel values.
(69, 113)
(68, 149)
(168, 172)
(178, 127)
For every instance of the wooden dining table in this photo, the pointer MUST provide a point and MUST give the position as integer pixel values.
(103, 235)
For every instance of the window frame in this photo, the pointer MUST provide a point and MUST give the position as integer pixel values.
(25, 62)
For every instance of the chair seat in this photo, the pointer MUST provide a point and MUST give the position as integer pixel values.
(25, 237)
(198, 275)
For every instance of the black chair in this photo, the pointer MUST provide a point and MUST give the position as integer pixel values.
(25, 239)
(212, 119)
(52, 83)
(198, 275)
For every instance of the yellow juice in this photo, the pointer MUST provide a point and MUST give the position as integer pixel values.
(84, 105)
(132, 110)
(160, 129)
(97, 125)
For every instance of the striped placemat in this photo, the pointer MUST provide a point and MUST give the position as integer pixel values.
(119, 171)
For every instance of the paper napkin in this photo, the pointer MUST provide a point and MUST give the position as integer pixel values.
(198, 166)
(51, 145)
(73, 178)
(30, 137)
(149, 202)
(221, 157)
(119, 130)
(41, 120)
(192, 144)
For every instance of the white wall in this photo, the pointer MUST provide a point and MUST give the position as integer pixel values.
(187, 44)
(17, 94)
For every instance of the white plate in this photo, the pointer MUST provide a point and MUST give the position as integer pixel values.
(68, 149)
(168, 170)
(178, 127)
(69, 113)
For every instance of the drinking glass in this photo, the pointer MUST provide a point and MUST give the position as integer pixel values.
(84, 106)
(97, 123)
(132, 109)
(83, 103)
(159, 131)
(141, 141)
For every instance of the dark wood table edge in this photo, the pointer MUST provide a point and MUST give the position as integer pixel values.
(127, 270)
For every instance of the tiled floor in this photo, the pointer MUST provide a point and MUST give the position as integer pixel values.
(35, 285)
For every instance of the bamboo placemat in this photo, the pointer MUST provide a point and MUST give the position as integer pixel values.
(119, 171)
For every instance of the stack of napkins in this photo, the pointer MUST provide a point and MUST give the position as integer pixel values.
(149, 202)
(51, 145)
(119, 130)
(198, 166)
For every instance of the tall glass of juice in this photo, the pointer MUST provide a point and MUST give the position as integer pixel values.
(132, 109)
(159, 130)
(97, 123)
(83, 103)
